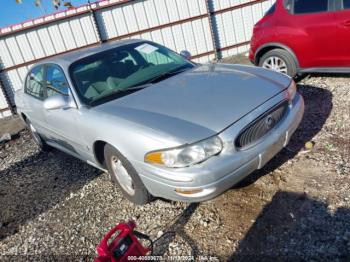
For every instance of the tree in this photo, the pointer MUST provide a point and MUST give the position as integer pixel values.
(56, 3)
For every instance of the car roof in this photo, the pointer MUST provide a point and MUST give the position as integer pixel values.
(66, 59)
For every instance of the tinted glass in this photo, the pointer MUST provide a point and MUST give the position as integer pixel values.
(271, 10)
(114, 71)
(35, 83)
(310, 6)
(56, 81)
(346, 4)
(288, 4)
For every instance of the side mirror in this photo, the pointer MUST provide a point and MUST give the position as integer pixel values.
(58, 102)
(186, 54)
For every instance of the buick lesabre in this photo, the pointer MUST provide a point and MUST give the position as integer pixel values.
(161, 125)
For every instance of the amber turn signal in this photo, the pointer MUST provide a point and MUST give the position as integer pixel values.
(188, 191)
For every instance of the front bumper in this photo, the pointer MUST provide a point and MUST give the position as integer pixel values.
(221, 172)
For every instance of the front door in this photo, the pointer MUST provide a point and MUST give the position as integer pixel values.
(316, 22)
(63, 123)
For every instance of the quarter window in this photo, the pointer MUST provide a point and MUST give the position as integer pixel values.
(56, 82)
(308, 6)
(35, 83)
(288, 5)
(271, 10)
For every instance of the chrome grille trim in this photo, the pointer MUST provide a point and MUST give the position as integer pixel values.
(261, 126)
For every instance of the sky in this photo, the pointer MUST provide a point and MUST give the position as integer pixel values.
(13, 13)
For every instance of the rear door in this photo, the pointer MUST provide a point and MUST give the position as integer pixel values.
(342, 40)
(34, 98)
(316, 22)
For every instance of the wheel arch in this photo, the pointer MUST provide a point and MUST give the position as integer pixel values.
(23, 116)
(270, 46)
(98, 150)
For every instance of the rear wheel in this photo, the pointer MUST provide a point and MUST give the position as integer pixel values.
(39, 141)
(125, 176)
(279, 60)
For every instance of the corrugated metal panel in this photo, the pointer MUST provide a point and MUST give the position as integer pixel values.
(155, 13)
(236, 26)
(44, 41)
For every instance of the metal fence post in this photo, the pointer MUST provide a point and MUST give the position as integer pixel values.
(7, 98)
(95, 21)
(208, 4)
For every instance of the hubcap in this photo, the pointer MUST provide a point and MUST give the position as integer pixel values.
(35, 134)
(122, 175)
(276, 64)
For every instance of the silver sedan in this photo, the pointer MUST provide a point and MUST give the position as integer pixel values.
(161, 125)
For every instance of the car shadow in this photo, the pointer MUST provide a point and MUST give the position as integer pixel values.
(36, 184)
(161, 244)
(318, 106)
(333, 75)
(294, 227)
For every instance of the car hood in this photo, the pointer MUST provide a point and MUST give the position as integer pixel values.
(199, 102)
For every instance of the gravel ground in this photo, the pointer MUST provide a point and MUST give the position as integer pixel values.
(54, 207)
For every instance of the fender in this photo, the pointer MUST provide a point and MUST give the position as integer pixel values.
(279, 45)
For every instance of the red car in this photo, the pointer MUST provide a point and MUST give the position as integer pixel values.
(303, 36)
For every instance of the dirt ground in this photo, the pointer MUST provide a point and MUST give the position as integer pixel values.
(54, 207)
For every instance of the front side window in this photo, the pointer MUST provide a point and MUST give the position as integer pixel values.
(56, 82)
(346, 4)
(35, 83)
(122, 69)
(309, 6)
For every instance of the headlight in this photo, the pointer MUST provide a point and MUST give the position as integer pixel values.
(291, 91)
(186, 155)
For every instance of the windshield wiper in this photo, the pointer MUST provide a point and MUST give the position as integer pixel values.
(142, 85)
(169, 73)
(119, 91)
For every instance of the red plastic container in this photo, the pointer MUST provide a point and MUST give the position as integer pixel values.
(123, 246)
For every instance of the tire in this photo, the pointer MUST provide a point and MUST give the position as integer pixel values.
(278, 59)
(39, 141)
(129, 183)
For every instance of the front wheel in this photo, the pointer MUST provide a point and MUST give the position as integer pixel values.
(125, 176)
(279, 60)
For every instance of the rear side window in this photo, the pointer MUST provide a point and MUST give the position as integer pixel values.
(35, 83)
(346, 4)
(271, 10)
(309, 6)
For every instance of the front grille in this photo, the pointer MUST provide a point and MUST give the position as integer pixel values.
(261, 126)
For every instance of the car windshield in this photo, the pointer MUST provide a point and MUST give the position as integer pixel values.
(124, 69)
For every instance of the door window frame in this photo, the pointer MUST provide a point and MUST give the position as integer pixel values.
(70, 92)
(45, 96)
(64, 75)
(43, 83)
